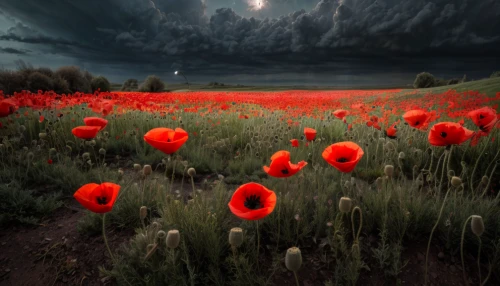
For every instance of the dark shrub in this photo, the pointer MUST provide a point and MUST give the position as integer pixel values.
(495, 74)
(424, 80)
(152, 84)
(60, 85)
(101, 83)
(45, 71)
(454, 81)
(75, 78)
(38, 81)
(130, 84)
(11, 82)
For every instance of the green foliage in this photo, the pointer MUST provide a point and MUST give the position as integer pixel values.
(38, 81)
(152, 84)
(22, 206)
(78, 81)
(100, 83)
(424, 80)
(130, 85)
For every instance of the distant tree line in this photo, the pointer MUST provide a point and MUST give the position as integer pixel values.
(427, 80)
(66, 79)
(151, 84)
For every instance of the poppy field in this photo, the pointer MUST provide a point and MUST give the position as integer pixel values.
(344, 187)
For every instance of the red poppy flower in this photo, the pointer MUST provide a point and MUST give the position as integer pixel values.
(252, 201)
(344, 156)
(165, 139)
(449, 133)
(49, 161)
(281, 167)
(295, 142)
(484, 118)
(95, 121)
(391, 131)
(310, 133)
(97, 198)
(417, 118)
(7, 107)
(340, 113)
(85, 132)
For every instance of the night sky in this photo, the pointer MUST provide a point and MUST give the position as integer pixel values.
(327, 42)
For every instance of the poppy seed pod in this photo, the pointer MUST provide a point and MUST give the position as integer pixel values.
(143, 212)
(137, 167)
(484, 180)
(236, 237)
(401, 156)
(86, 156)
(390, 146)
(477, 225)
(456, 181)
(160, 235)
(389, 170)
(345, 204)
(293, 259)
(191, 172)
(147, 170)
(102, 151)
(42, 135)
(173, 238)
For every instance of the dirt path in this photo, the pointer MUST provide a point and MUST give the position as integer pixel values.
(54, 253)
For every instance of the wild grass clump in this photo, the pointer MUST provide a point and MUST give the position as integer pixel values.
(21, 206)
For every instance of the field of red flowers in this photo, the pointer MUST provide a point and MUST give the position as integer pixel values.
(259, 188)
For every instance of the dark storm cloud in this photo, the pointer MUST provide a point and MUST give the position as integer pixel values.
(14, 51)
(175, 34)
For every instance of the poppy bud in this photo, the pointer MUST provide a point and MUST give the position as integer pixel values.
(30, 156)
(173, 238)
(86, 156)
(137, 167)
(143, 212)
(293, 259)
(456, 181)
(120, 173)
(147, 170)
(160, 235)
(484, 180)
(345, 204)
(25, 148)
(389, 170)
(477, 225)
(42, 135)
(53, 133)
(347, 184)
(381, 140)
(236, 237)
(52, 151)
(401, 156)
(379, 183)
(191, 172)
(102, 151)
(451, 173)
(68, 148)
(150, 247)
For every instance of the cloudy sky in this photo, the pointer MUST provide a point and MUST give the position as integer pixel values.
(332, 42)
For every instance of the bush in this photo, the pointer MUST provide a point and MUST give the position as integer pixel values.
(152, 84)
(424, 80)
(60, 85)
(76, 80)
(495, 74)
(130, 84)
(11, 82)
(100, 83)
(38, 81)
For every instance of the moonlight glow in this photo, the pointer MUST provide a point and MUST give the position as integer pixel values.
(255, 5)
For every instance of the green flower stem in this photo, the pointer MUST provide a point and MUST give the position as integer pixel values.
(432, 232)
(462, 249)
